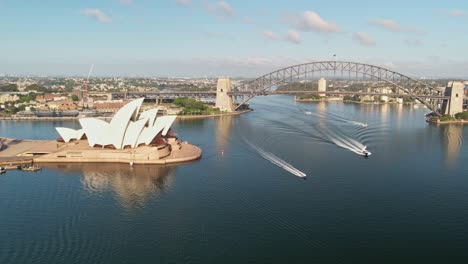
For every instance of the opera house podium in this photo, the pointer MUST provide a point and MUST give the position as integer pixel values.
(130, 137)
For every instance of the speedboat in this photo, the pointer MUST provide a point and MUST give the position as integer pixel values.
(2, 170)
(365, 152)
(308, 113)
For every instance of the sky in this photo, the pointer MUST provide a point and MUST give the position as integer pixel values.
(237, 38)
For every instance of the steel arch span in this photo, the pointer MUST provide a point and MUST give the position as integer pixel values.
(409, 86)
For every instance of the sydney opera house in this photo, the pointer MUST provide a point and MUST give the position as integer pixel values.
(131, 136)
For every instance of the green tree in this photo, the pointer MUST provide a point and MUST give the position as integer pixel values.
(22, 107)
(463, 115)
(36, 87)
(11, 87)
(75, 98)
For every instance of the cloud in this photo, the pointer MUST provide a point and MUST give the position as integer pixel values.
(97, 14)
(184, 2)
(270, 35)
(220, 8)
(126, 2)
(225, 8)
(311, 21)
(393, 26)
(390, 65)
(456, 13)
(294, 37)
(364, 39)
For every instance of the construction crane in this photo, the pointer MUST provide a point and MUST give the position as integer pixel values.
(87, 80)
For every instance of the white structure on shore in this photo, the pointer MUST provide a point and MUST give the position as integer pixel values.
(322, 86)
(127, 128)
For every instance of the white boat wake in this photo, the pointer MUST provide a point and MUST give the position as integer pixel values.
(349, 144)
(336, 118)
(277, 161)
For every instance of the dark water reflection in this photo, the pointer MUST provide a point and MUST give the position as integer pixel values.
(133, 186)
(407, 203)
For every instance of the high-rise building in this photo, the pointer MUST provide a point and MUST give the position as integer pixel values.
(322, 86)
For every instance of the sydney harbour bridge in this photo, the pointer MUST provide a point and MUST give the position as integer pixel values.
(403, 85)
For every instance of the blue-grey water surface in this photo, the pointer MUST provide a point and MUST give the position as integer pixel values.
(406, 203)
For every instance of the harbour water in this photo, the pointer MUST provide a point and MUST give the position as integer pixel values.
(406, 203)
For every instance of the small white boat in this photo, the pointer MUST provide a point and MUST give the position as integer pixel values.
(308, 113)
(11, 167)
(30, 168)
(2, 170)
(365, 152)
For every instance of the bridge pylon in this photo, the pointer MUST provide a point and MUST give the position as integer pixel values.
(223, 100)
(454, 105)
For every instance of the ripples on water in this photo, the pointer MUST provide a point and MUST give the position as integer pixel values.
(406, 203)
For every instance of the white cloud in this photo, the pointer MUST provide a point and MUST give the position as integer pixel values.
(225, 8)
(184, 2)
(311, 21)
(390, 65)
(270, 35)
(393, 26)
(97, 14)
(457, 13)
(220, 8)
(364, 39)
(294, 37)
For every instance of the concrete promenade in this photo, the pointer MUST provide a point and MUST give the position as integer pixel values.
(15, 151)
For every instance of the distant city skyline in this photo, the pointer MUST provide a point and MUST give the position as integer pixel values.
(230, 38)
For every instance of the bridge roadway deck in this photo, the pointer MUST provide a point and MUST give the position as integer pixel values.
(213, 93)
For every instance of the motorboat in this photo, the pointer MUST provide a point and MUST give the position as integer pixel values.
(2, 170)
(365, 152)
(30, 168)
(12, 167)
(308, 113)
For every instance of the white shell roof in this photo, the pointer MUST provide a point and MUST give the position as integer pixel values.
(127, 127)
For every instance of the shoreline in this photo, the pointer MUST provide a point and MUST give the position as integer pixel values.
(182, 117)
(354, 102)
(331, 99)
(16, 118)
(451, 122)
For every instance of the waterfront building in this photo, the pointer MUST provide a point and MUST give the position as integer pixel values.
(62, 105)
(384, 98)
(8, 98)
(111, 106)
(322, 86)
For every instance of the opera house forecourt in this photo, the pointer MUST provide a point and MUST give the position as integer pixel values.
(130, 137)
